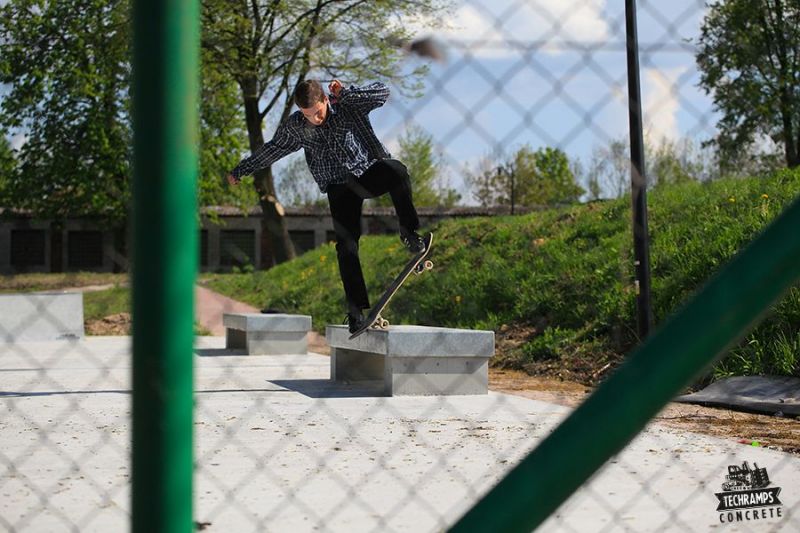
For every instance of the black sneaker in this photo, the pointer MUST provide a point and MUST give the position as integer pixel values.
(354, 321)
(412, 241)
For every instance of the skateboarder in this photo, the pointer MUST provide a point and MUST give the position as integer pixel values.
(349, 164)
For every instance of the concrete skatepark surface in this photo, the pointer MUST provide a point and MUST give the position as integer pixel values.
(278, 447)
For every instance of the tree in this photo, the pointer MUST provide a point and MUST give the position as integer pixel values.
(417, 152)
(597, 168)
(749, 59)
(222, 138)
(266, 47)
(67, 70)
(541, 177)
(67, 67)
(8, 163)
(544, 177)
(487, 183)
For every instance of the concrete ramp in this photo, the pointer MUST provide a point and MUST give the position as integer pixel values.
(41, 316)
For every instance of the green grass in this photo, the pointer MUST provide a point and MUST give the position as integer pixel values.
(563, 277)
(99, 304)
(60, 281)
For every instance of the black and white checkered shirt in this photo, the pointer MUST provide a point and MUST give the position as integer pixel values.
(343, 146)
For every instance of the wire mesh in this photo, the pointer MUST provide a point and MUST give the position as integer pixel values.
(282, 446)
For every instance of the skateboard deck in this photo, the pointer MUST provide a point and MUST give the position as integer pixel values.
(416, 264)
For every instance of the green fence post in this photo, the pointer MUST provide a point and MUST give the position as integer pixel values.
(165, 117)
(721, 313)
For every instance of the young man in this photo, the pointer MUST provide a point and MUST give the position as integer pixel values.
(350, 164)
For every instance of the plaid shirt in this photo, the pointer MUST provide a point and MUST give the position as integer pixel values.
(343, 146)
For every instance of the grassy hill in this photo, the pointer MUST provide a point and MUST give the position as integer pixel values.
(557, 285)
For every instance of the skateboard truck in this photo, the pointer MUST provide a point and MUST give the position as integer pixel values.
(417, 264)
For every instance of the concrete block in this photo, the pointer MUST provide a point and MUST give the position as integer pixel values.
(414, 360)
(267, 334)
(41, 316)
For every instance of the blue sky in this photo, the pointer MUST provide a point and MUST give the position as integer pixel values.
(553, 73)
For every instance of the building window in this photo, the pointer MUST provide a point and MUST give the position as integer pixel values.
(203, 247)
(27, 248)
(303, 241)
(84, 249)
(237, 247)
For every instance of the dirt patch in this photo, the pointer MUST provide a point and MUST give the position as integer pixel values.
(773, 432)
(318, 344)
(575, 365)
(118, 324)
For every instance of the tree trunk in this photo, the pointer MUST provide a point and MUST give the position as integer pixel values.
(276, 246)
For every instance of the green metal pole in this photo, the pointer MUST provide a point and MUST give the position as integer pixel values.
(720, 314)
(165, 117)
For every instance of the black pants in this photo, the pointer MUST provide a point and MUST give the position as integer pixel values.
(346, 202)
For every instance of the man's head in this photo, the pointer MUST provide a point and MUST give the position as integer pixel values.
(312, 101)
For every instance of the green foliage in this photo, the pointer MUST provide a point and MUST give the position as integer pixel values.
(222, 139)
(748, 54)
(99, 304)
(544, 177)
(66, 67)
(565, 275)
(533, 178)
(8, 163)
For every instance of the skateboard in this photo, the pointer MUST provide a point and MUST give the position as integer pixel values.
(417, 264)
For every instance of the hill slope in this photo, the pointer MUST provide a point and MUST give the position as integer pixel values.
(557, 285)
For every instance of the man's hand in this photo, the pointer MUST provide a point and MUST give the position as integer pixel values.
(232, 180)
(335, 87)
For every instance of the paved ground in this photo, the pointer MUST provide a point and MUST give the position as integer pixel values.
(280, 448)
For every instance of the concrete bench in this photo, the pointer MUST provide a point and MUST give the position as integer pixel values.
(41, 316)
(263, 334)
(414, 360)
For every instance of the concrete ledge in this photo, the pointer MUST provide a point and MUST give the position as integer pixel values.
(41, 316)
(414, 360)
(265, 334)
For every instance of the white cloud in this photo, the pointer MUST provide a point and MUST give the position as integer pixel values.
(495, 27)
(661, 103)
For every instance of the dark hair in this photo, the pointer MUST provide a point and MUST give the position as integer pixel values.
(307, 93)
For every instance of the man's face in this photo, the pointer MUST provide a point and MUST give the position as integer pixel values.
(317, 113)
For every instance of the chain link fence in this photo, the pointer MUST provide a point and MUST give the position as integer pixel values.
(279, 445)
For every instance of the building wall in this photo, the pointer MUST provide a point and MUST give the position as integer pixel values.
(28, 245)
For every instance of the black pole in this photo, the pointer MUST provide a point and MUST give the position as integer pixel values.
(641, 236)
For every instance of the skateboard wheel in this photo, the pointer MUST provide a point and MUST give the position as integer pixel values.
(382, 323)
(428, 265)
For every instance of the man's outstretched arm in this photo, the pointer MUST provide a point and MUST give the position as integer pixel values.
(364, 98)
(281, 145)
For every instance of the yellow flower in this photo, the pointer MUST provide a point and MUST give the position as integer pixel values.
(765, 196)
(458, 299)
(322, 258)
(732, 199)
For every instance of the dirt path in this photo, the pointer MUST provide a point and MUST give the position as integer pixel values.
(769, 431)
(210, 305)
